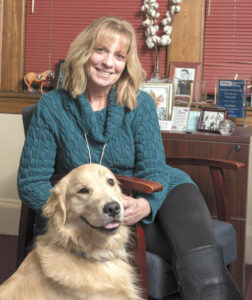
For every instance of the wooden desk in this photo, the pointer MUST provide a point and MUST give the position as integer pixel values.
(236, 147)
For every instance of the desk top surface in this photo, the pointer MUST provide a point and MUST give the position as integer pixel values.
(241, 135)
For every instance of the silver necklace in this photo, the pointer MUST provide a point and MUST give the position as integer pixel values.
(89, 152)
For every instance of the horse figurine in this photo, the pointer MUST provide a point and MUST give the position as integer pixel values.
(31, 78)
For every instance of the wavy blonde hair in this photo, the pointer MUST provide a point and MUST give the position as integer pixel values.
(74, 75)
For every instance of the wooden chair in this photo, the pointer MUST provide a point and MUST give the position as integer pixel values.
(216, 167)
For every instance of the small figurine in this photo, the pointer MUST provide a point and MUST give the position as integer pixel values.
(31, 78)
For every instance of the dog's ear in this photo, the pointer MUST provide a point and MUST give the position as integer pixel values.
(55, 207)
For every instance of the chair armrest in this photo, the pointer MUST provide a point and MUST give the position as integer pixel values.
(216, 167)
(209, 162)
(139, 184)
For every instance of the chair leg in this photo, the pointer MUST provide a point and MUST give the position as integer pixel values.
(141, 259)
(25, 235)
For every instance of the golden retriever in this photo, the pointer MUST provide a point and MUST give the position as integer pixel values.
(82, 255)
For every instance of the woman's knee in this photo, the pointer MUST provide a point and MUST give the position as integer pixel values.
(184, 201)
(156, 242)
(185, 218)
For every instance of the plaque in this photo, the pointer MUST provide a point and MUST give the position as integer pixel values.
(231, 97)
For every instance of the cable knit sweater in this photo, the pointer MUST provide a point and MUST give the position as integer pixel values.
(56, 142)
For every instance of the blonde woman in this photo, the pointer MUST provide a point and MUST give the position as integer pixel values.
(101, 116)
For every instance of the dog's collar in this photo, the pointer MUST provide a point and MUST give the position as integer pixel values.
(83, 255)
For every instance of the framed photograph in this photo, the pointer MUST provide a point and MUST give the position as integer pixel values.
(58, 81)
(186, 78)
(162, 94)
(210, 119)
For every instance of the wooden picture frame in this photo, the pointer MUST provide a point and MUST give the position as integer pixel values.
(162, 94)
(210, 119)
(58, 81)
(187, 80)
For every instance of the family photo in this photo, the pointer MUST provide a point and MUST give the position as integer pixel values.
(162, 96)
(210, 120)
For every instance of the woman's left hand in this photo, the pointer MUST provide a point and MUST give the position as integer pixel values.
(135, 209)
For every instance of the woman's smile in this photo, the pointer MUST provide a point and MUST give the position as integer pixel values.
(104, 72)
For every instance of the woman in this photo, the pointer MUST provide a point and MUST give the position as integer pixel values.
(100, 116)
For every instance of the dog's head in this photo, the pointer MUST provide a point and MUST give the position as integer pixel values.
(88, 196)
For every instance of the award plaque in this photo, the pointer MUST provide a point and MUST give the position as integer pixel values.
(231, 97)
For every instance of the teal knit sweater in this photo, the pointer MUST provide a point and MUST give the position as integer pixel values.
(55, 142)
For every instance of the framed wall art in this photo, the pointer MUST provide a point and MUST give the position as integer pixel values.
(210, 119)
(162, 94)
(187, 80)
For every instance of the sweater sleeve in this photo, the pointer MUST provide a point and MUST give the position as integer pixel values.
(37, 159)
(150, 158)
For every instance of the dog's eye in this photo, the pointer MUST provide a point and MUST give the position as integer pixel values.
(83, 191)
(111, 182)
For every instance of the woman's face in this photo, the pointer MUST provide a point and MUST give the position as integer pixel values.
(106, 63)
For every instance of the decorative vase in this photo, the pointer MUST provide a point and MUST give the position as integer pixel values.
(155, 76)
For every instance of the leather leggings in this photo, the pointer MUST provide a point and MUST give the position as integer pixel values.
(183, 222)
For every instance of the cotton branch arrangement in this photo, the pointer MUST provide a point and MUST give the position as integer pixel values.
(154, 38)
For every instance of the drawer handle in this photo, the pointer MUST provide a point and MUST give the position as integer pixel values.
(237, 148)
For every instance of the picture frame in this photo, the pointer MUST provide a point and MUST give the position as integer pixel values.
(187, 80)
(210, 119)
(180, 117)
(162, 95)
(58, 81)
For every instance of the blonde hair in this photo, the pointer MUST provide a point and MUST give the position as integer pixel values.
(74, 75)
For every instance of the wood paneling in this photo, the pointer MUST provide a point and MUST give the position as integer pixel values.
(14, 103)
(188, 33)
(12, 68)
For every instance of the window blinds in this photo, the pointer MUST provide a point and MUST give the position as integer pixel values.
(54, 24)
(228, 41)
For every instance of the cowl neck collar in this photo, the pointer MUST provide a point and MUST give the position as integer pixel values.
(88, 121)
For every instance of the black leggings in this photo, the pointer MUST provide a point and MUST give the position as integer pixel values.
(183, 222)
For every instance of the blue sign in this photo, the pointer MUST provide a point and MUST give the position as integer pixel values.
(231, 97)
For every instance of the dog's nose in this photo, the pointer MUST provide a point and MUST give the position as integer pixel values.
(112, 209)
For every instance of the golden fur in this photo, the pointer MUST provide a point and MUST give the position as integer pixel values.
(53, 270)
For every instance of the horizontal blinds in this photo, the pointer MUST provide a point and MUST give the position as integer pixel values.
(54, 24)
(228, 40)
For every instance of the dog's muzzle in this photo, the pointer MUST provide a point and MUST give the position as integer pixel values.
(112, 210)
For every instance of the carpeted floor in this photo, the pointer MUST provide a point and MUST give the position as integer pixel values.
(8, 246)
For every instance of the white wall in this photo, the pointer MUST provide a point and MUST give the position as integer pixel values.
(11, 143)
